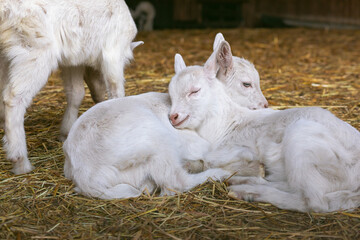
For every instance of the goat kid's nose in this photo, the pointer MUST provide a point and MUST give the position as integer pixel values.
(173, 118)
(266, 105)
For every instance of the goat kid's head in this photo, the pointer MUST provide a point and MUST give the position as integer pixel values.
(190, 86)
(240, 77)
(192, 92)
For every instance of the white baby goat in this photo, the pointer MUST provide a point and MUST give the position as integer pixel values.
(121, 147)
(37, 36)
(312, 158)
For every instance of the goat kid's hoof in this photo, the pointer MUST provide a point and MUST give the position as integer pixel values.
(233, 195)
(249, 197)
(194, 166)
(238, 181)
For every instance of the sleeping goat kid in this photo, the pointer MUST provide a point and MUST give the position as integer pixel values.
(122, 147)
(312, 158)
(38, 36)
(134, 147)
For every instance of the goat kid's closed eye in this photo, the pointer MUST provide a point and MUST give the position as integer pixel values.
(194, 92)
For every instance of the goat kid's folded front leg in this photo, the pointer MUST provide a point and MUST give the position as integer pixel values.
(238, 159)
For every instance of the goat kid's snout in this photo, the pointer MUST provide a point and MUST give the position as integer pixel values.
(173, 117)
(177, 119)
(264, 104)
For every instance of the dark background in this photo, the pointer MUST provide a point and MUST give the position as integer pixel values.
(340, 14)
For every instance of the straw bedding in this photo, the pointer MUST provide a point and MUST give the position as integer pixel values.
(298, 67)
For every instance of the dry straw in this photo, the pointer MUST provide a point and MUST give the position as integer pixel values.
(298, 67)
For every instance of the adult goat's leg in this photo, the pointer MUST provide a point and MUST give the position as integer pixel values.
(4, 66)
(27, 75)
(95, 81)
(74, 90)
(112, 69)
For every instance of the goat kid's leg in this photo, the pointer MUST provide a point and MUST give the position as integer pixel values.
(194, 150)
(168, 174)
(182, 181)
(28, 75)
(235, 158)
(96, 84)
(261, 190)
(258, 180)
(236, 180)
(263, 193)
(199, 178)
(120, 191)
(74, 90)
(193, 166)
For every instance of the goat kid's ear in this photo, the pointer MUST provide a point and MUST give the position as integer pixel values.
(179, 64)
(133, 45)
(224, 55)
(211, 66)
(218, 39)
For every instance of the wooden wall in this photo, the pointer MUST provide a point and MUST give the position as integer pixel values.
(338, 12)
(253, 13)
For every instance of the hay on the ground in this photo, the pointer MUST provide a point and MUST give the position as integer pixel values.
(298, 67)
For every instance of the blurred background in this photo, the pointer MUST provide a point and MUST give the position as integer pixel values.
(169, 14)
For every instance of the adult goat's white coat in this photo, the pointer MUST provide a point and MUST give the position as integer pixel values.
(312, 158)
(121, 147)
(38, 36)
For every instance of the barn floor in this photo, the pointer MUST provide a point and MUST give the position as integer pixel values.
(298, 67)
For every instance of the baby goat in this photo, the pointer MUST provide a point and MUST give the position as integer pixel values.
(38, 36)
(312, 158)
(121, 147)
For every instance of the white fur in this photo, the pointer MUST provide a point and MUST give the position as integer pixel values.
(120, 147)
(73, 84)
(312, 158)
(239, 76)
(38, 36)
(144, 14)
(134, 148)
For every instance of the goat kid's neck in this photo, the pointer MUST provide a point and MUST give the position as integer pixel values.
(223, 116)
